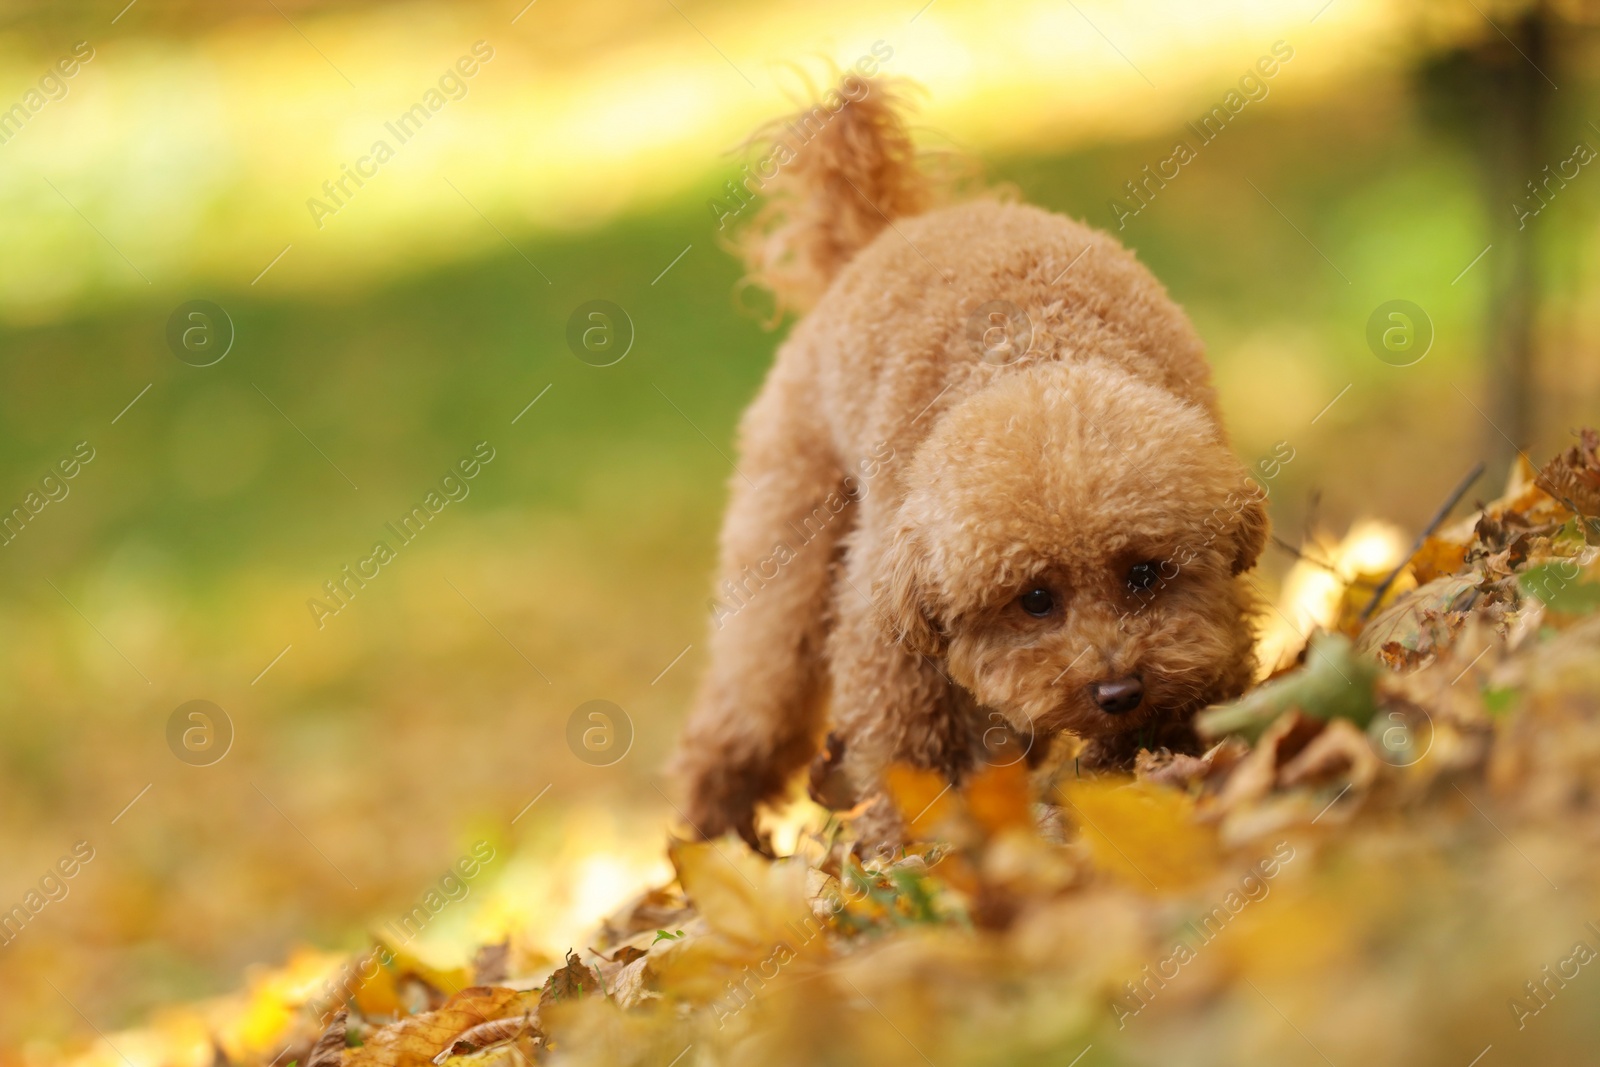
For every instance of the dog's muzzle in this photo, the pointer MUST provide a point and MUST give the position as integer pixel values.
(1119, 696)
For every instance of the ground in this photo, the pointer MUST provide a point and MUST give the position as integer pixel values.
(1385, 856)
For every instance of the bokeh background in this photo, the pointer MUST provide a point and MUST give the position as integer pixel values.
(1386, 161)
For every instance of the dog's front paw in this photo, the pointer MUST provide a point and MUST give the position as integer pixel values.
(722, 799)
(879, 831)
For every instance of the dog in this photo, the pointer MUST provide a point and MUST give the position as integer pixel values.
(984, 495)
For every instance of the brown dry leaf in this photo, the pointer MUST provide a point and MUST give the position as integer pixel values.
(485, 1034)
(1574, 476)
(1500, 538)
(1144, 833)
(1257, 774)
(415, 1041)
(661, 908)
(1180, 771)
(329, 1049)
(489, 963)
(1546, 756)
(627, 954)
(1420, 623)
(1498, 565)
(1339, 751)
(572, 979)
(630, 987)
(1169, 769)
(1223, 757)
(609, 968)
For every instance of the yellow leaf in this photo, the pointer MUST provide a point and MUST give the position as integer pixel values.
(1144, 834)
(998, 798)
(404, 962)
(922, 798)
(1437, 558)
(739, 894)
(378, 996)
(758, 912)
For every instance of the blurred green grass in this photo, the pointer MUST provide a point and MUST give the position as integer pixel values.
(394, 384)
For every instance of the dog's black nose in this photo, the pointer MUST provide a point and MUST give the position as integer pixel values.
(1119, 696)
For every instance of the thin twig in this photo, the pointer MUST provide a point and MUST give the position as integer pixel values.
(1298, 554)
(1427, 531)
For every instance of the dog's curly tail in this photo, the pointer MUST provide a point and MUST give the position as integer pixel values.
(833, 176)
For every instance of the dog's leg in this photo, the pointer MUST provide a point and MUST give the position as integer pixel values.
(756, 719)
(889, 705)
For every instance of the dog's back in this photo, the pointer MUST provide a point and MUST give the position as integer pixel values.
(913, 306)
(941, 304)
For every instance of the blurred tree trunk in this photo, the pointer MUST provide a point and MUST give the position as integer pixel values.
(1496, 97)
(1511, 148)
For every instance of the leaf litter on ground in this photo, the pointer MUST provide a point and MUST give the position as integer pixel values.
(1389, 853)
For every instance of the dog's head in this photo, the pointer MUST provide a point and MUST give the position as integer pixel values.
(1069, 544)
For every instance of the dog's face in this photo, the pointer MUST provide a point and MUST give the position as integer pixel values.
(1069, 545)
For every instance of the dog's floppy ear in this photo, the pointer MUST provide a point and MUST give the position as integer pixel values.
(901, 594)
(1250, 532)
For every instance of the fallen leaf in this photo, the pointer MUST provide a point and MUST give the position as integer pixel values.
(1145, 834)
(379, 996)
(572, 979)
(754, 910)
(922, 797)
(1574, 476)
(1181, 771)
(1561, 588)
(1336, 683)
(743, 896)
(329, 1049)
(416, 1040)
(1256, 776)
(490, 962)
(1420, 623)
(630, 989)
(485, 1034)
(418, 984)
(1437, 558)
(1339, 751)
(998, 798)
(655, 909)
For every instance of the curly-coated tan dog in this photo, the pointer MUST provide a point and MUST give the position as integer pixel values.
(985, 487)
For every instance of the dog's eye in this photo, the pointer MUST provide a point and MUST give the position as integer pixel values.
(1142, 576)
(1037, 602)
